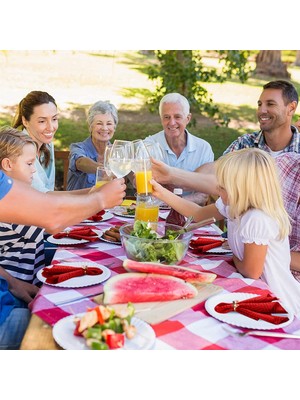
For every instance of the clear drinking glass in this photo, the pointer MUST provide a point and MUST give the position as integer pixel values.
(141, 166)
(155, 150)
(120, 158)
(102, 176)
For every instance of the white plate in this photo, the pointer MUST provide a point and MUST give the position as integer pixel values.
(79, 281)
(66, 241)
(108, 215)
(63, 333)
(218, 250)
(237, 319)
(120, 210)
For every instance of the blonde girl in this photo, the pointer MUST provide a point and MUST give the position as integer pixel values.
(258, 224)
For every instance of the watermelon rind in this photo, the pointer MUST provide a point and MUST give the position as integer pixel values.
(179, 271)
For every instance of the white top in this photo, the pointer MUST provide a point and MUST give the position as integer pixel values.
(44, 178)
(255, 226)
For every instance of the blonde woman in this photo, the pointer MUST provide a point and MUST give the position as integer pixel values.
(258, 225)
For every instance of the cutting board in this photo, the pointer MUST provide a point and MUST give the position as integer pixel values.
(158, 311)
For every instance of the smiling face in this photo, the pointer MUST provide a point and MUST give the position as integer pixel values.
(42, 124)
(103, 128)
(22, 167)
(272, 112)
(174, 120)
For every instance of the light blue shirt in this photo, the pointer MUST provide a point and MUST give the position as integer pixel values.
(44, 177)
(78, 179)
(196, 152)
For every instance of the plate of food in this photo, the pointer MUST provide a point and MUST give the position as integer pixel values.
(79, 281)
(105, 217)
(237, 319)
(66, 241)
(139, 336)
(111, 235)
(127, 212)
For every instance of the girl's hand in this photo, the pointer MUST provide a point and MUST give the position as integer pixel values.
(157, 189)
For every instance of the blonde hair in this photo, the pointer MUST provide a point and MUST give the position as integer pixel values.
(250, 179)
(12, 142)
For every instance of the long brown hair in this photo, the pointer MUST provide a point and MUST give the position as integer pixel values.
(26, 109)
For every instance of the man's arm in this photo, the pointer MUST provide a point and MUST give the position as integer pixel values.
(24, 205)
(203, 179)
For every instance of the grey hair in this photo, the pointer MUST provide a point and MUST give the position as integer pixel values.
(102, 107)
(175, 98)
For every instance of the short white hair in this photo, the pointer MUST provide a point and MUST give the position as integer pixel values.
(175, 98)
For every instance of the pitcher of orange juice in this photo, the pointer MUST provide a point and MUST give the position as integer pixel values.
(147, 208)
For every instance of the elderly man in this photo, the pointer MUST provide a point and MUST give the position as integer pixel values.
(181, 149)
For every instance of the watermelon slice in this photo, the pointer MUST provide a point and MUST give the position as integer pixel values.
(187, 274)
(138, 288)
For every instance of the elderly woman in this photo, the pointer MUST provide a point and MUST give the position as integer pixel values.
(86, 156)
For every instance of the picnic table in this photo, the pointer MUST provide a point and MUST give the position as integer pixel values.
(191, 329)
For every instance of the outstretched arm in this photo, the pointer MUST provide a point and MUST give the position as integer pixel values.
(203, 179)
(183, 206)
(24, 205)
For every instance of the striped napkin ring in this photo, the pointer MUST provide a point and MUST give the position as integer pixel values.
(235, 304)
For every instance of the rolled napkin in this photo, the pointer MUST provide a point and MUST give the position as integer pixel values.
(97, 217)
(259, 307)
(78, 233)
(201, 245)
(61, 273)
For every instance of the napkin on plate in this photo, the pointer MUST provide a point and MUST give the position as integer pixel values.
(259, 307)
(201, 245)
(97, 217)
(61, 273)
(78, 233)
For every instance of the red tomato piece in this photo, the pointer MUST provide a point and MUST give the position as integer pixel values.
(115, 341)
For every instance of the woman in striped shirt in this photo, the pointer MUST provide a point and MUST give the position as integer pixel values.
(21, 246)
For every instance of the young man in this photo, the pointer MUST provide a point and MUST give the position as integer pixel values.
(276, 107)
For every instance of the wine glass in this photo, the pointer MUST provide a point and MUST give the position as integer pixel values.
(155, 151)
(120, 158)
(141, 158)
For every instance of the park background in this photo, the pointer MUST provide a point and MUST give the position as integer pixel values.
(77, 79)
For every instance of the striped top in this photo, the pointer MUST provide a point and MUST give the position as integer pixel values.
(22, 251)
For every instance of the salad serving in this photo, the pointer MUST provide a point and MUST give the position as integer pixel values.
(104, 328)
(167, 248)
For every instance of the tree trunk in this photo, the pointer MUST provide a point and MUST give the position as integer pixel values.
(297, 62)
(268, 62)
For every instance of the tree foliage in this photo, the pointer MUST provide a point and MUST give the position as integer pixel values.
(183, 71)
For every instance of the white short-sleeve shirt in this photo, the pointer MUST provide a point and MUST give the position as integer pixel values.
(255, 226)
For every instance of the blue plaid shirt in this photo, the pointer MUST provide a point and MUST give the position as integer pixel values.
(256, 139)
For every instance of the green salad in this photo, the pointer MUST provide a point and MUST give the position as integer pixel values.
(158, 250)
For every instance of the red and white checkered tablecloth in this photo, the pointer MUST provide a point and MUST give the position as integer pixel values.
(191, 329)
